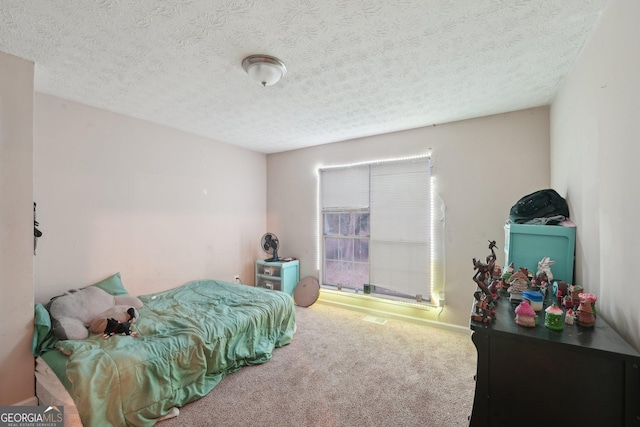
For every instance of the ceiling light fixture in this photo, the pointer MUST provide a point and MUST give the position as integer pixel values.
(265, 69)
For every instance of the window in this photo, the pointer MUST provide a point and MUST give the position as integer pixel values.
(346, 248)
(376, 227)
(345, 214)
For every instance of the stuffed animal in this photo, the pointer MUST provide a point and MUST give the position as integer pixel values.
(78, 309)
(118, 328)
(120, 313)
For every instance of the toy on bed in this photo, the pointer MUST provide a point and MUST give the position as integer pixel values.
(90, 307)
(120, 328)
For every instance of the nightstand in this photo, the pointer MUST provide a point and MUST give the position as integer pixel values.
(279, 275)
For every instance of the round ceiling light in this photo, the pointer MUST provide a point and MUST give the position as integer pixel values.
(266, 70)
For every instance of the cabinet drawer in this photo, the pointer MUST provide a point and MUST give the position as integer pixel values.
(269, 270)
(269, 283)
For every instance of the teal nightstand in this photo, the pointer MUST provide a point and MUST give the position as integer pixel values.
(280, 275)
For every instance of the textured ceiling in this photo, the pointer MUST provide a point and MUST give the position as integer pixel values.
(355, 67)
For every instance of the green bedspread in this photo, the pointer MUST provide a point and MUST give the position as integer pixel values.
(189, 339)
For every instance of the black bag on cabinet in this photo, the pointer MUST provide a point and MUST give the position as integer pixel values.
(540, 204)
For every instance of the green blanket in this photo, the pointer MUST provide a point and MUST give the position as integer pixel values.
(189, 339)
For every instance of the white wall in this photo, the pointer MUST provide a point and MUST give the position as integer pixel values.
(482, 167)
(160, 206)
(16, 235)
(595, 148)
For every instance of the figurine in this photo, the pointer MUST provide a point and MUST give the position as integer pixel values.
(497, 272)
(586, 317)
(518, 283)
(484, 270)
(553, 318)
(491, 258)
(484, 311)
(569, 317)
(483, 307)
(574, 291)
(560, 290)
(534, 298)
(559, 298)
(525, 315)
(509, 271)
(544, 269)
(567, 301)
(504, 282)
(493, 288)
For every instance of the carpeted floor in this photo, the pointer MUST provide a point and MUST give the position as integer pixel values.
(343, 371)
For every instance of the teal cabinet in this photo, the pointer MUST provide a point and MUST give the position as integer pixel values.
(525, 245)
(279, 276)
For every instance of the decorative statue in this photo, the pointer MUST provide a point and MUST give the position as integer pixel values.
(544, 275)
(586, 310)
(493, 288)
(544, 269)
(484, 310)
(508, 272)
(525, 315)
(553, 318)
(518, 283)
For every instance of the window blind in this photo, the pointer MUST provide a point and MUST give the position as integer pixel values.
(400, 226)
(345, 188)
(397, 194)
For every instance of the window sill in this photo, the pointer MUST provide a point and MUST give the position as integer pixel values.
(423, 313)
(382, 297)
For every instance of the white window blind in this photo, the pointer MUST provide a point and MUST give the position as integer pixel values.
(397, 195)
(400, 226)
(345, 188)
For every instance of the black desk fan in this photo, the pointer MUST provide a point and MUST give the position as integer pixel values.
(269, 244)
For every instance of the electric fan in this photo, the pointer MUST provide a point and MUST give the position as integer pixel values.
(269, 244)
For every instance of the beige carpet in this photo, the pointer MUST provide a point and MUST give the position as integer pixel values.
(343, 371)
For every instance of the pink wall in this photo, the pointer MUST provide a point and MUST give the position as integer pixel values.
(595, 150)
(16, 218)
(160, 206)
(481, 166)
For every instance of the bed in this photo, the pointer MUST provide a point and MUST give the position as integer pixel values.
(189, 338)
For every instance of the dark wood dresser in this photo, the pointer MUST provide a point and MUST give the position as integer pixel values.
(540, 377)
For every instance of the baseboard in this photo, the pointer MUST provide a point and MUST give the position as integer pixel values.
(416, 313)
(31, 401)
